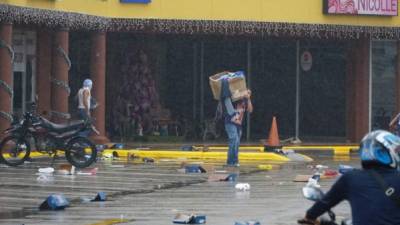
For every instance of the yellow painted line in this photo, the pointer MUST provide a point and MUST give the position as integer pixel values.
(258, 148)
(111, 222)
(306, 158)
(337, 150)
(35, 154)
(266, 156)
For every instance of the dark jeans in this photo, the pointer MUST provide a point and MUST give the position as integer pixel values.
(234, 133)
(83, 116)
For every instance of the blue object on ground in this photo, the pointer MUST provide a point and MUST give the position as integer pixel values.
(187, 148)
(100, 197)
(190, 219)
(251, 222)
(345, 168)
(117, 146)
(194, 169)
(54, 202)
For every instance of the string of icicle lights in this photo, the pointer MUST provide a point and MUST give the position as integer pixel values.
(77, 21)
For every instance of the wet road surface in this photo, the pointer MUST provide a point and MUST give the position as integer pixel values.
(152, 194)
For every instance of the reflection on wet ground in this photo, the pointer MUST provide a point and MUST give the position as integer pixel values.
(154, 193)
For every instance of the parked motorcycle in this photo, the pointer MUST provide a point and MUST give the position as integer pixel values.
(314, 193)
(47, 137)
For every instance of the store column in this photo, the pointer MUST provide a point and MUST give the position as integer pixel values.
(98, 75)
(358, 90)
(60, 90)
(43, 75)
(6, 85)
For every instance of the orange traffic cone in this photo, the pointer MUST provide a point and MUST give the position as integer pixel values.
(273, 139)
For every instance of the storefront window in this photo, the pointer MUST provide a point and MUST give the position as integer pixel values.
(383, 83)
(322, 94)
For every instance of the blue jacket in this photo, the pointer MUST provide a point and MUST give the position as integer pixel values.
(369, 204)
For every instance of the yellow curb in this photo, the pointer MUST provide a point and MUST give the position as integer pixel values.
(265, 156)
(111, 222)
(244, 148)
(337, 150)
(35, 154)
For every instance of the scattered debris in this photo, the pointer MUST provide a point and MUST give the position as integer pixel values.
(45, 178)
(222, 177)
(265, 167)
(47, 170)
(302, 178)
(148, 160)
(65, 169)
(242, 186)
(92, 171)
(117, 146)
(194, 169)
(345, 168)
(54, 202)
(116, 166)
(189, 219)
(313, 181)
(250, 222)
(107, 156)
(328, 173)
(100, 197)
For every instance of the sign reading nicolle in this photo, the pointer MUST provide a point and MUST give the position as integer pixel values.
(361, 7)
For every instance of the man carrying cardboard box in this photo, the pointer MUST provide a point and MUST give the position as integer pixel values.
(233, 117)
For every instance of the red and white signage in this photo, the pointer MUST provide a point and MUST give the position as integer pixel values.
(361, 7)
(306, 61)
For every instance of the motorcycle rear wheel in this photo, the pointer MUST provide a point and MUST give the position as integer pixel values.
(81, 152)
(14, 150)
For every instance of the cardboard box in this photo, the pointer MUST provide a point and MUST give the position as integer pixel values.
(237, 86)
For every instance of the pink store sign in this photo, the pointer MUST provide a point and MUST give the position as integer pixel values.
(361, 7)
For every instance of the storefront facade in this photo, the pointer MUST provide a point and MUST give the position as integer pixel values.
(325, 76)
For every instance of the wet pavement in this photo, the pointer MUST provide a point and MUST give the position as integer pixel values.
(152, 194)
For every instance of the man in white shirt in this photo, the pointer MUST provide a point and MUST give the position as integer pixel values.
(84, 98)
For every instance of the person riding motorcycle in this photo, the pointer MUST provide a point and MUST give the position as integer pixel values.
(374, 191)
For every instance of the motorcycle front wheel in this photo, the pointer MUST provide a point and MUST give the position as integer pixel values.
(14, 150)
(80, 152)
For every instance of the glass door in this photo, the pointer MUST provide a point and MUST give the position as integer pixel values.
(24, 45)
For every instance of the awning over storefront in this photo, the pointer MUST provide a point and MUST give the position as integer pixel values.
(77, 21)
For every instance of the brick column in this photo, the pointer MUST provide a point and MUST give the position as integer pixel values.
(98, 75)
(358, 91)
(6, 84)
(43, 74)
(59, 88)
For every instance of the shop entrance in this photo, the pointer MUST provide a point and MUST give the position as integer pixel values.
(24, 45)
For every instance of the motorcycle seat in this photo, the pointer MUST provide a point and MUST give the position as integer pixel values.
(60, 128)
